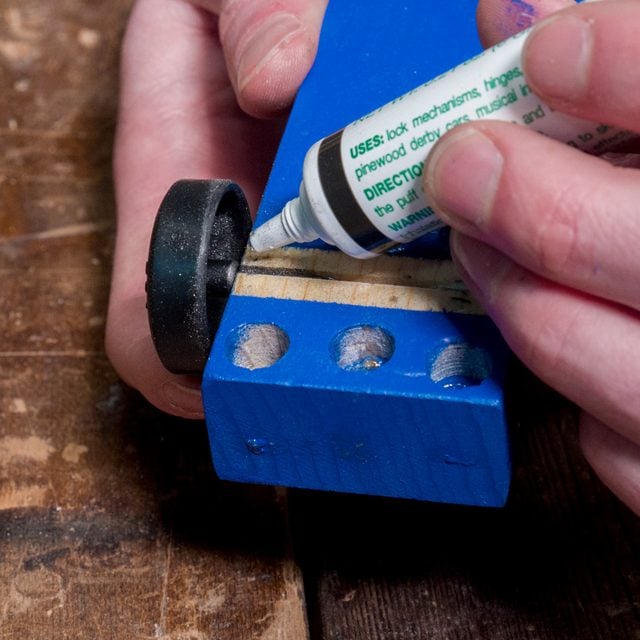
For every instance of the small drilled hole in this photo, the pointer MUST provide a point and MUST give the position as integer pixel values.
(258, 346)
(460, 365)
(362, 348)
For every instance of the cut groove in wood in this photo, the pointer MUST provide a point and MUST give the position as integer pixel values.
(392, 282)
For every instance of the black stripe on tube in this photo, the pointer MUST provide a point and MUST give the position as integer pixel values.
(342, 201)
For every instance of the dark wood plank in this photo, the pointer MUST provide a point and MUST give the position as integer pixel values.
(112, 522)
(561, 562)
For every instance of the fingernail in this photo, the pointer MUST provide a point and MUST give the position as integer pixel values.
(483, 267)
(463, 173)
(269, 36)
(187, 399)
(557, 57)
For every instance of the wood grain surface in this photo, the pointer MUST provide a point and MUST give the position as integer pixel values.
(560, 562)
(112, 522)
(397, 282)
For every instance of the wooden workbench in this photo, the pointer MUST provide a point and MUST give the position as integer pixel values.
(112, 523)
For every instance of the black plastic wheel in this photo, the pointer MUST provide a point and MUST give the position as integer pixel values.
(199, 236)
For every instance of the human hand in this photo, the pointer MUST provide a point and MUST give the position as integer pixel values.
(546, 236)
(186, 66)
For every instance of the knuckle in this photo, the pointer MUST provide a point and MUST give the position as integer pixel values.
(557, 234)
(548, 345)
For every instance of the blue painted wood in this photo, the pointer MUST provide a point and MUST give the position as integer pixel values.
(369, 54)
(390, 430)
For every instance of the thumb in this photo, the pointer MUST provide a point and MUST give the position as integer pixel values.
(268, 47)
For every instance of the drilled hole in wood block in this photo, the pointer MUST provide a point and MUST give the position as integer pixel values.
(258, 346)
(362, 348)
(460, 365)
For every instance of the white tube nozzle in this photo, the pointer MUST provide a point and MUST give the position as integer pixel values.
(271, 235)
(291, 225)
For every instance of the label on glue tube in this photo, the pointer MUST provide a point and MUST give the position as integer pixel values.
(377, 162)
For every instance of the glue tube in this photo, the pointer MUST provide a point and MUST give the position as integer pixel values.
(362, 186)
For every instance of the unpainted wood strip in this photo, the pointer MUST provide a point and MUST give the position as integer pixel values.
(328, 276)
